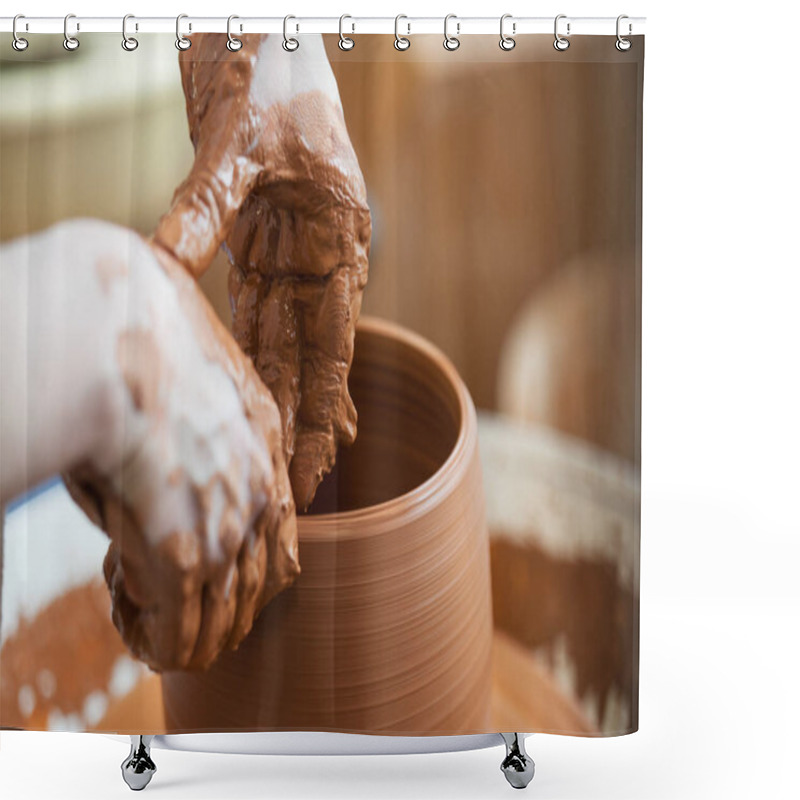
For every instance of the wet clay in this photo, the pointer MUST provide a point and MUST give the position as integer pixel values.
(388, 629)
(181, 595)
(276, 178)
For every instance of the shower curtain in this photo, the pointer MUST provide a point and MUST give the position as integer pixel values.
(320, 385)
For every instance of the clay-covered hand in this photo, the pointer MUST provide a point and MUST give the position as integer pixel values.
(190, 483)
(276, 178)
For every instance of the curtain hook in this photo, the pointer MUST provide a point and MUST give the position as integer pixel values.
(507, 42)
(345, 42)
(233, 44)
(289, 44)
(451, 43)
(623, 44)
(400, 42)
(560, 42)
(70, 42)
(18, 43)
(129, 43)
(181, 42)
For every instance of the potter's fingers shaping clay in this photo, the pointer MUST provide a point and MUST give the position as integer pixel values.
(265, 324)
(155, 588)
(191, 486)
(206, 203)
(326, 413)
(269, 125)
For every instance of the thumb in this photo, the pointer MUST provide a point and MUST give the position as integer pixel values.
(205, 206)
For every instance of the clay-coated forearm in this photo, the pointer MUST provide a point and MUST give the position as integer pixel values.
(56, 354)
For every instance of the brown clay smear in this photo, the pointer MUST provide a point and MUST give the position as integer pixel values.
(388, 629)
(139, 360)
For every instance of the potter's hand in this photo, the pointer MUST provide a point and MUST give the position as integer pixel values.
(189, 480)
(275, 176)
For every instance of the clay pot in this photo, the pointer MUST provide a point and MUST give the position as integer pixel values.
(389, 627)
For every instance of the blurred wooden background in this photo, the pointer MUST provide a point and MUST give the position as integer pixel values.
(488, 174)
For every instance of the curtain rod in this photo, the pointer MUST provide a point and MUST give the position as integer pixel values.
(407, 26)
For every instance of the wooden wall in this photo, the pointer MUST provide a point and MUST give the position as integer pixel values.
(487, 173)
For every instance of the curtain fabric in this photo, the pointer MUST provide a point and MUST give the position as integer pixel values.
(471, 562)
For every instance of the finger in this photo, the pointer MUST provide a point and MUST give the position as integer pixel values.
(95, 499)
(338, 237)
(125, 614)
(276, 531)
(326, 413)
(246, 292)
(205, 204)
(219, 113)
(281, 542)
(251, 569)
(277, 360)
(218, 607)
(155, 591)
(267, 558)
(315, 454)
(262, 306)
(218, 596)
(174, 585)
(157, 607)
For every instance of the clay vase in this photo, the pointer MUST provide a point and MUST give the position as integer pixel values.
(389, 627)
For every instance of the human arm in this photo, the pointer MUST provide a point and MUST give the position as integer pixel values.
(125, 380)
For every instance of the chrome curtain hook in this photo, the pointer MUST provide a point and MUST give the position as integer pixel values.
(345, 42)
(18, 43)
(623, 44)
(233, 44)
(128, 42)
(70, 42)
(507, 42)
(181, 42)
(560, 42)
(400, 42)
(289, 44)
(451, 43)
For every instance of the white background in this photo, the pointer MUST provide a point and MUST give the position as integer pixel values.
(720, 604)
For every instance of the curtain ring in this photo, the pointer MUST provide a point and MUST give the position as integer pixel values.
(400, 42)
(345, 42)
(181, 42)
(289, 44)
(233, 44)
(128, 42)
(560, 42)
(70, 42)
(507, 42)
(451, 43)
(18, 43)
(622, 43)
